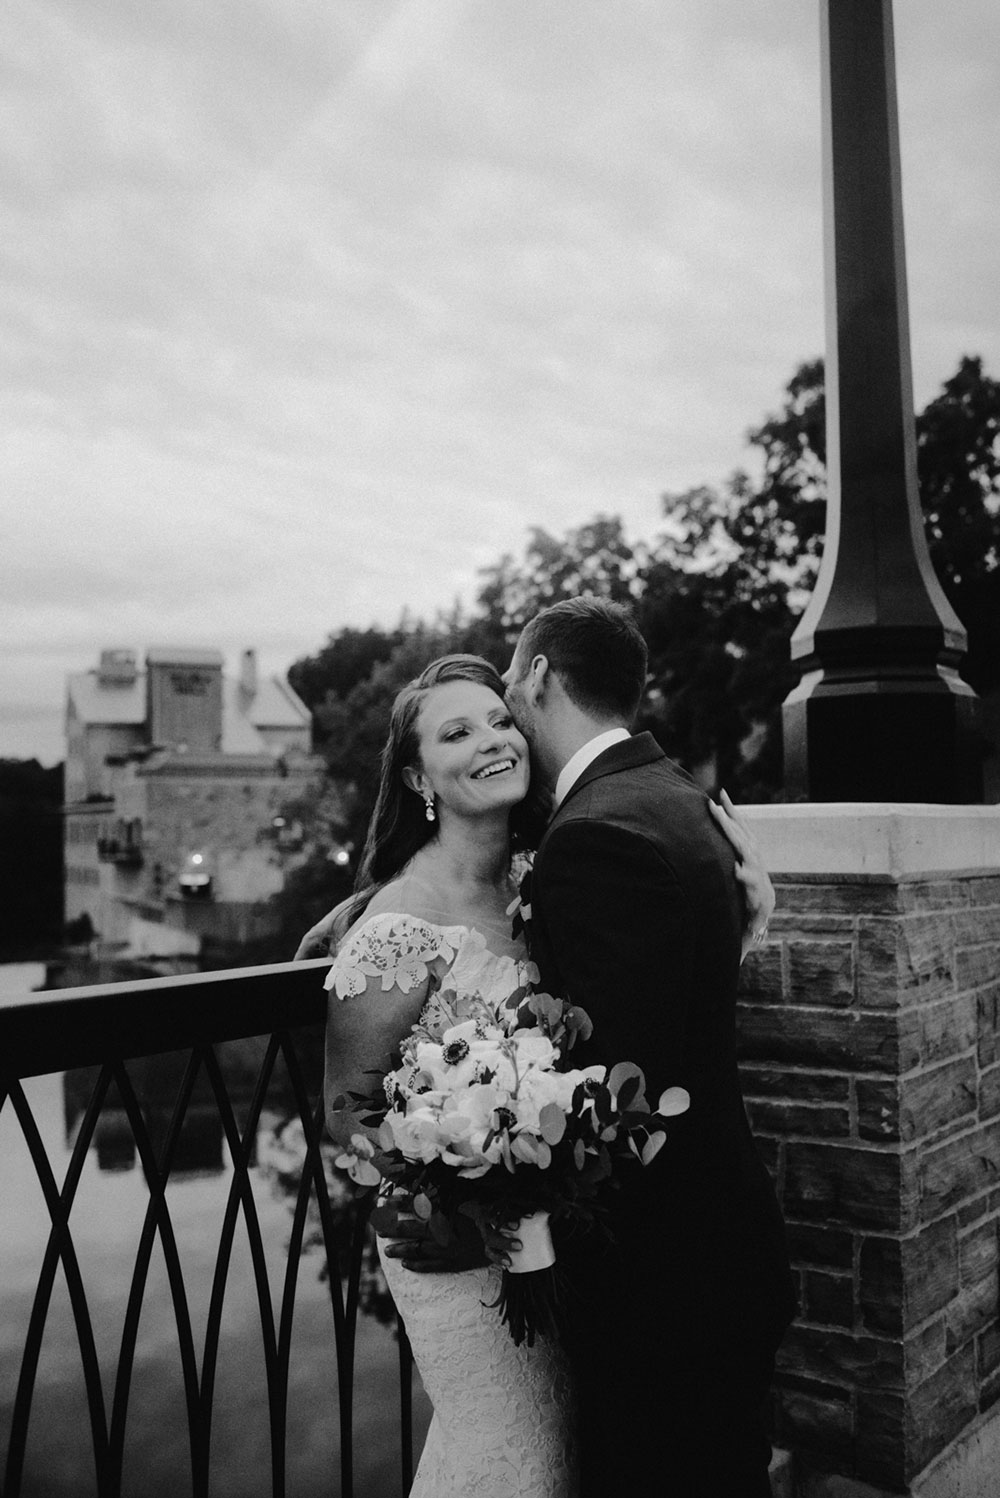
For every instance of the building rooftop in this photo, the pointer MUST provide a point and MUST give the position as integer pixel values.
(96, 700)
(276, 705)
(183, 655)
(100, 699)
(272, 705)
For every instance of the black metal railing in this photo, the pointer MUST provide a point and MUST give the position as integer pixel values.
(104, 1028)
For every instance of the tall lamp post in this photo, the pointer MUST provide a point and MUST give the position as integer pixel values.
(880, 712)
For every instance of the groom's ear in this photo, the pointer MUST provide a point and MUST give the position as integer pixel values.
(538, 679)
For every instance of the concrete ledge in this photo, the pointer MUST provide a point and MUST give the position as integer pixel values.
(968, 1468)
(829, 1485)
(893, 840)
(780, 1473)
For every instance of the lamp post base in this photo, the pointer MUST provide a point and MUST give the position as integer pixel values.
(883, 740)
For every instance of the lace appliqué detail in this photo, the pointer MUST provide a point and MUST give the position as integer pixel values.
(397, 949)
(403, 952)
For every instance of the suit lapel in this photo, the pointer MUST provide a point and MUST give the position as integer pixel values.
(629, 754)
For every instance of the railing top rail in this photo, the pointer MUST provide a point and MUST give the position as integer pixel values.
(55, 1029)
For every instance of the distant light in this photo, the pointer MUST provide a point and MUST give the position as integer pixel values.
(340, 856)
(196, 858)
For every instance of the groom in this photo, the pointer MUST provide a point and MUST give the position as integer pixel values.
(636, 915)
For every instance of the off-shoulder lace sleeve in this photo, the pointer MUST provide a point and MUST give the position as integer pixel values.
(396, 950)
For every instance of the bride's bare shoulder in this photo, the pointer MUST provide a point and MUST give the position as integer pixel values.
(409, 895)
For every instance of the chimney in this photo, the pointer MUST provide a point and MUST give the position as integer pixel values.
(248, 673)
(117, 668)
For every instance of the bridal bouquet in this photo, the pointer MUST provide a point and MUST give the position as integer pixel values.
(489, 1123)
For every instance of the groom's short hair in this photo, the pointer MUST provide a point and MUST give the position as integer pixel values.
(595, 648)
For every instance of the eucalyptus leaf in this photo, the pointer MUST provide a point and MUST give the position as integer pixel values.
(525, 1147)
(637, 1112)
(422, 1206)
(552, 1122)
(675, 1100)
(366, 1174)
(621, 1072)
(579, 1023)
(653, 1145)
(628, 1092)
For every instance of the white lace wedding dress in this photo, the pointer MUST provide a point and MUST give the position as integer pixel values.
(502, 1425)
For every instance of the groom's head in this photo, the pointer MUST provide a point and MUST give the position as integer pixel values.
(579, 664)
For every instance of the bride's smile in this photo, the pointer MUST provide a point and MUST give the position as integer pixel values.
(473, 759)
(498, 767)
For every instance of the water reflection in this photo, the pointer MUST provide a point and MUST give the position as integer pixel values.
(106, 1224)
(277, 1146)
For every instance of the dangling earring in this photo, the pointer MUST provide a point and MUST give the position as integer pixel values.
(429, 805)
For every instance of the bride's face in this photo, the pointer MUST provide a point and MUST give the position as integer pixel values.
(472, 756)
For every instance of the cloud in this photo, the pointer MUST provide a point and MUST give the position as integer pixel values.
(308, 311)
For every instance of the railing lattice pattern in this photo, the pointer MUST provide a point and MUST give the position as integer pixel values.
(223, 1013)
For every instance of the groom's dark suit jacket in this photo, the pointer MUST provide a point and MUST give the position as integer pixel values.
(636, 915)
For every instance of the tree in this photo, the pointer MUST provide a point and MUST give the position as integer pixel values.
(767, 538)
(31, 857)
(958, 464)
(594, 558)
(347, 658)
(719, 670)
(722, 591)
(747, 554)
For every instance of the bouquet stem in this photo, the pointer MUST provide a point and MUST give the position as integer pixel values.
(529, 1289)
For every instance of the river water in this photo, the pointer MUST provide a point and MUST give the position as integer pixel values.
(106, 1221)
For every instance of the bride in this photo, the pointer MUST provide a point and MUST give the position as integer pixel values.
(428, 932)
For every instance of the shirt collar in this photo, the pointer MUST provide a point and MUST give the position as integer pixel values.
(583, 758)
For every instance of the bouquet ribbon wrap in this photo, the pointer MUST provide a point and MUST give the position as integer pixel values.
(536, 1251)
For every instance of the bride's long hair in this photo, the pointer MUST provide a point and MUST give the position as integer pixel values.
(399, 827)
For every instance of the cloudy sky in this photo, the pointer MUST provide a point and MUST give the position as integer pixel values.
(310, 308)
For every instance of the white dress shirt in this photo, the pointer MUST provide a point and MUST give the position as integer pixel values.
(584, 756)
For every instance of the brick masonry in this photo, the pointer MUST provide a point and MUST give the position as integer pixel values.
(870, 1035)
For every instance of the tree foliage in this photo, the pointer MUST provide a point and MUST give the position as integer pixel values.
(958, 466)
(717, 594)
(593, 558)
(31, 861)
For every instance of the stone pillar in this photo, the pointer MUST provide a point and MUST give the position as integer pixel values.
(870, 1027)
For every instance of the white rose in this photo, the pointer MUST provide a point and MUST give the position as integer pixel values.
(472, 1110)
(416, 1134)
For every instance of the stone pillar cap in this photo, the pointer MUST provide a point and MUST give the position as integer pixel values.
(877, 839)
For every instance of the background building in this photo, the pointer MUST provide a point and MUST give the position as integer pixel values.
(178, 778)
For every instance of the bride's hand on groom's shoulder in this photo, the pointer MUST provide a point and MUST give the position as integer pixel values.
(758, 891)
